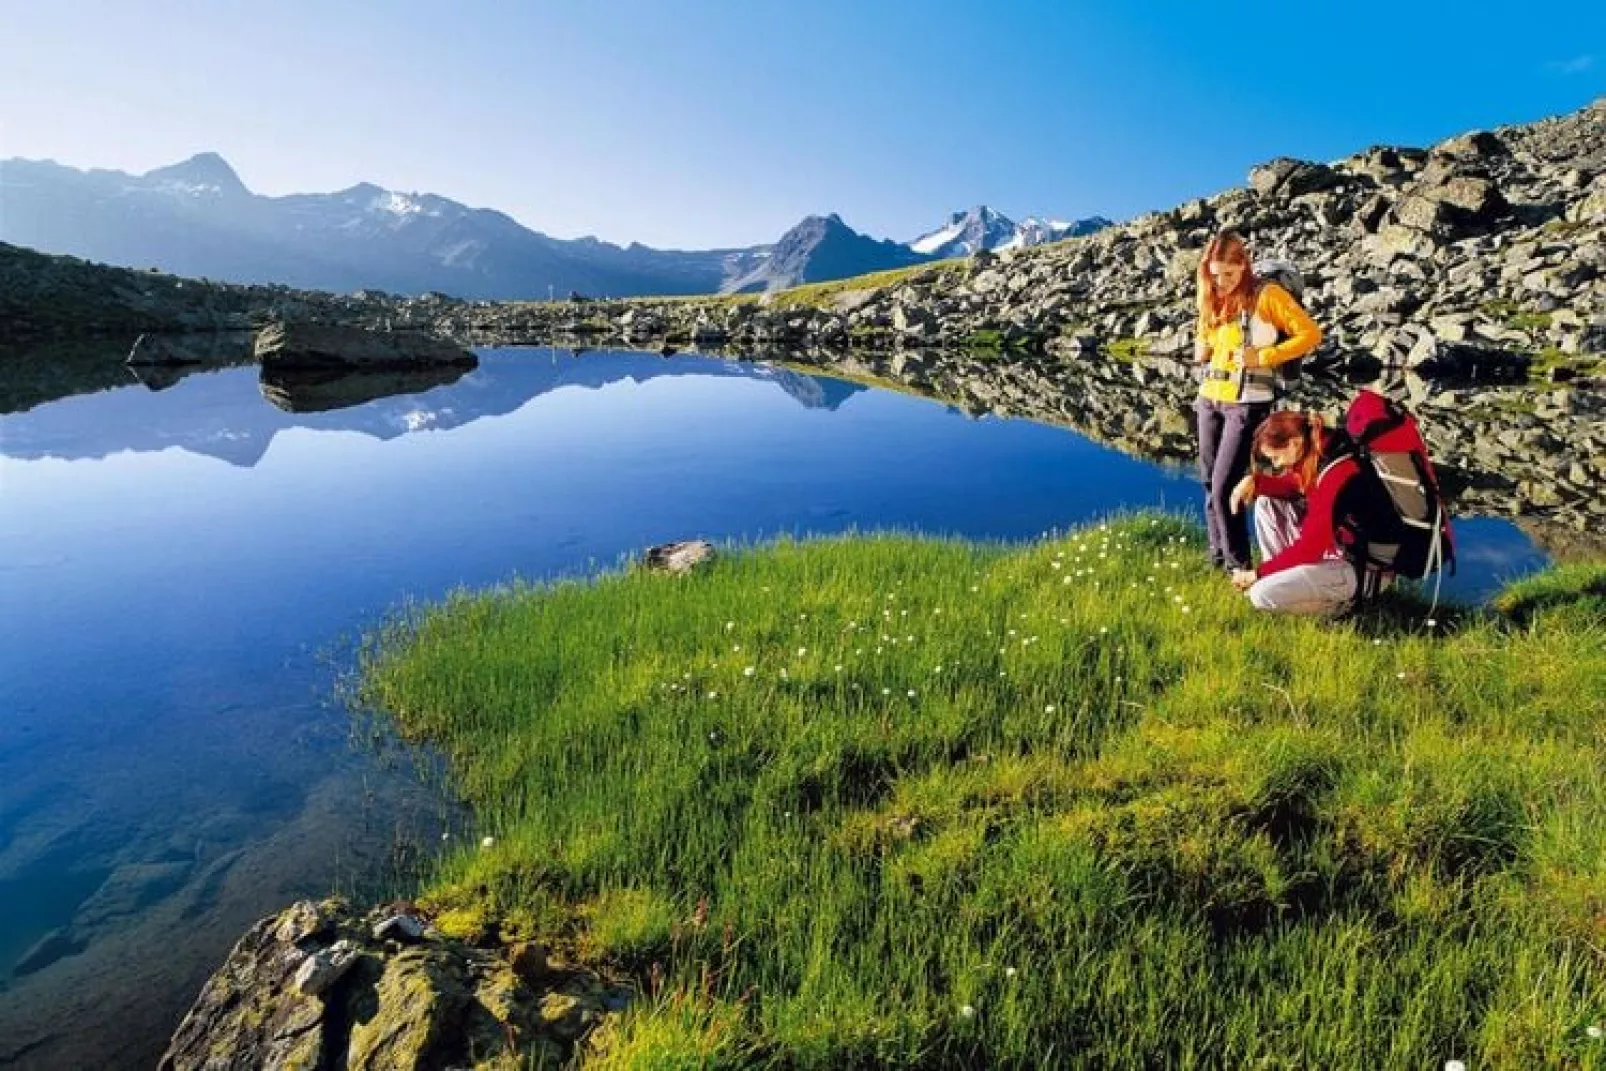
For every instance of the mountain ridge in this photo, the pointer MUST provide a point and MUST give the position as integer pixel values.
(198, 218)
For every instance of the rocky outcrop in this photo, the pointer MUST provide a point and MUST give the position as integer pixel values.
(286, 345)
(321, 986)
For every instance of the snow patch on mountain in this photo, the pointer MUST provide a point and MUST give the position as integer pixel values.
(983, 228)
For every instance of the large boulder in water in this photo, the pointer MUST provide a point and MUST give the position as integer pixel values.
(301, 345)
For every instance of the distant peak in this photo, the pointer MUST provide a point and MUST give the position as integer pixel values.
(202, 169)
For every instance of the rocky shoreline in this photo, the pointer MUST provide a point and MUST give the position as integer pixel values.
(1470, 277)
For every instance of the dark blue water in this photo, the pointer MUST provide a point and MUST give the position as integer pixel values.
(181, 572)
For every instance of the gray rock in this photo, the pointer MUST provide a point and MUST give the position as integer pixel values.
(323, 969)
(401, 927)
(678, 558)
(1291, 178)
(305, 345)
(1478, 145)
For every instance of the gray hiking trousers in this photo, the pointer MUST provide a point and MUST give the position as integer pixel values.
(1324, 589)
(1226, 431)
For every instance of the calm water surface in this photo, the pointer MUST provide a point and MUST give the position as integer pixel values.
(182, 573)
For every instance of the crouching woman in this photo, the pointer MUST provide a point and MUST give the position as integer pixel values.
(1305, 520)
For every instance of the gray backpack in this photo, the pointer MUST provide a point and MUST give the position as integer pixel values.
(1285, 275)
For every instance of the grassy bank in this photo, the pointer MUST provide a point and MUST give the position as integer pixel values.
(892, 800)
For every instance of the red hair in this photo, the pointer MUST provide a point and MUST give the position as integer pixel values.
(1286, 426)
(1217, 308)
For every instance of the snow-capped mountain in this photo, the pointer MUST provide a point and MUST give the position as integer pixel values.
(983, 228)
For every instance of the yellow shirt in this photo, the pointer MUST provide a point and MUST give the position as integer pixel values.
(1281, 329)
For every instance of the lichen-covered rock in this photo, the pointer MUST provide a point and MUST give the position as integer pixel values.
(417, 999)
(315, 988)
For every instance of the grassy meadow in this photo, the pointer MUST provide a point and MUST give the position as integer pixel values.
(887, 800)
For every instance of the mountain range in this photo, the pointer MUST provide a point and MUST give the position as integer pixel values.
(197, 218)
(983, 228)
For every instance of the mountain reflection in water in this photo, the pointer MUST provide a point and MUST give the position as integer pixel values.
(220, 412)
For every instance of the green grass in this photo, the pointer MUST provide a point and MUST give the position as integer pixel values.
(886, 800)
(820, 295)
(1513, 315)
(1550, 358)
(1127, 349)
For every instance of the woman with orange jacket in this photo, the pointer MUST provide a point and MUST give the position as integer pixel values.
(1246, 328)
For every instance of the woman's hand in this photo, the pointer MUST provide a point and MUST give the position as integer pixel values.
(1243, 494)
(1244, 579)
(1201, 350)
(1250, 355)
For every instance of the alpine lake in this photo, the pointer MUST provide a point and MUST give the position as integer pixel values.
(188, 565)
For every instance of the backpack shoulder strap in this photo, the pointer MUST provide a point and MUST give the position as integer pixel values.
(1253, 307)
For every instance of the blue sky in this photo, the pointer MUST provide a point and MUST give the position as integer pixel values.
(699, 123)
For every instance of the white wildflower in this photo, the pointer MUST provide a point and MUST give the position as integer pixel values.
(801, 651)
(486, 842)
(749, 671)
(968, 1012)
(1049, 709)
(1595, 1032)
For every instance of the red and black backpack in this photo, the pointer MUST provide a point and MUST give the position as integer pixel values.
(1399, 525)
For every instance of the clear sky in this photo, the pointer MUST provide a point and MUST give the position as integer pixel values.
(702, 123)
